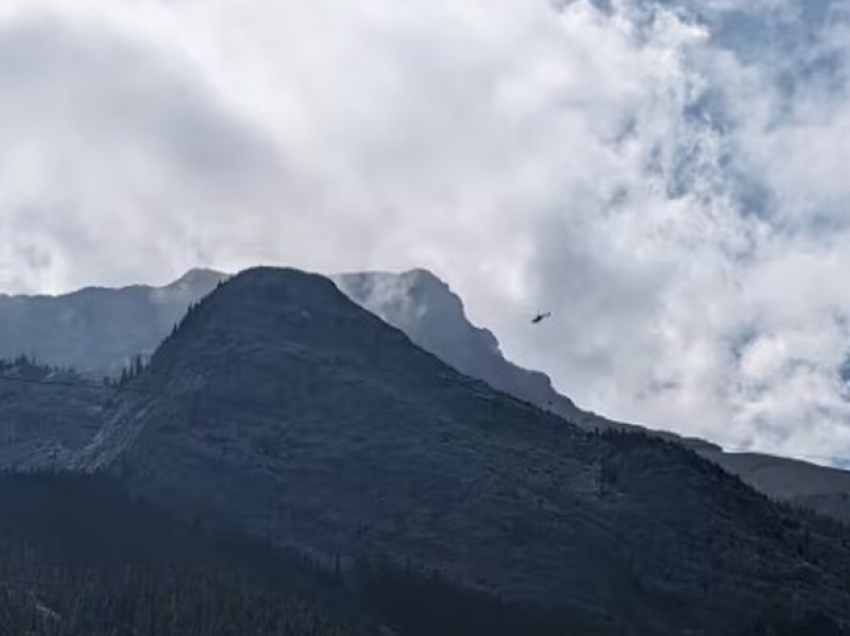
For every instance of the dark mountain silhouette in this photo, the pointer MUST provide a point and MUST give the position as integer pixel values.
(285, 410)
(100, 331)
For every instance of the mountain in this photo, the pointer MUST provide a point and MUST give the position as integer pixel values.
(433, 316)
(98, 330)
(283, 409)
(425, 308)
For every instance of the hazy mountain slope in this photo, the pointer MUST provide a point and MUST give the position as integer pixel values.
(97, 330)
(826, 490)
(285, 408)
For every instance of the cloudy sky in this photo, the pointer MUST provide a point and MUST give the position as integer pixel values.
(669, 178)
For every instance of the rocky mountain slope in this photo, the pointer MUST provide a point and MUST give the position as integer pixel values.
(433, 316)
(285, 409)
(100, 330)
(426, 309)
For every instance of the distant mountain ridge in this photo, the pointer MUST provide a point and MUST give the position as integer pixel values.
(100, 330)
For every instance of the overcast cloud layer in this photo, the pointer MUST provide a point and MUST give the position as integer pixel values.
(672, 184)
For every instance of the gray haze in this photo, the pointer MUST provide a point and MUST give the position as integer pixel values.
(667, 178)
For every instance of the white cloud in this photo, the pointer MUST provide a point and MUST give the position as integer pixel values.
(668, 179)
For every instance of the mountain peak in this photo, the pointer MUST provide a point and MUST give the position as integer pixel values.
(424, 276)
(198, 278)
(287, 279)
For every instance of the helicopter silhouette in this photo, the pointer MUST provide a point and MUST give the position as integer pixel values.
(541, 317)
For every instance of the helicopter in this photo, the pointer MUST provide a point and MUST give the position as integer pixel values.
(541, 317)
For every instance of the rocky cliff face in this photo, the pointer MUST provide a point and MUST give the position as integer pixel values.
(426, 309)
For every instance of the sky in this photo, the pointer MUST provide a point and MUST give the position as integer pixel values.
(668, 178)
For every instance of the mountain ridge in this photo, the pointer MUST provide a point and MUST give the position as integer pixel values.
(117, 329)
(98, 330)
(285, 408)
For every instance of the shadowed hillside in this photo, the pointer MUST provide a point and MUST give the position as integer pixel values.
(46, 413)
(284, 409)
(78, 557)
